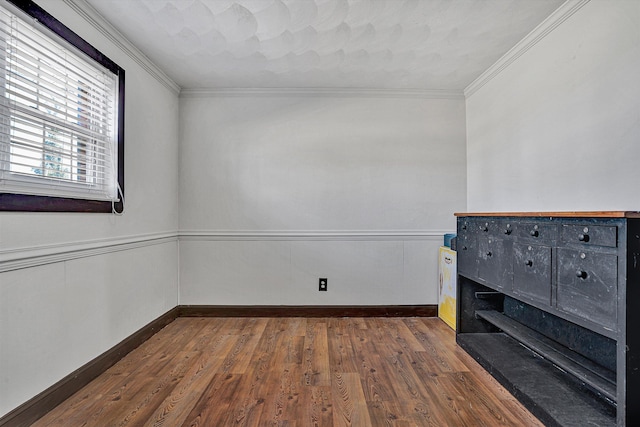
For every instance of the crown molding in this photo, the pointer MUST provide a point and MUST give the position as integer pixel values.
(93, 17)
(554, 20)
(320, 92)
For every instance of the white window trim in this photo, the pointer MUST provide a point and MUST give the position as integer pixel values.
(30, 192)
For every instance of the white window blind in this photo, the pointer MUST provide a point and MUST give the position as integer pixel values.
(58, 116)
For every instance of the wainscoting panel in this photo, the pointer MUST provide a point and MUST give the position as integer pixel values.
(58, 316)
(358, 273)
(235, 272)
(276, 271)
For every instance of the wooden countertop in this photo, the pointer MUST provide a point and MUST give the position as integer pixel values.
(566, 214)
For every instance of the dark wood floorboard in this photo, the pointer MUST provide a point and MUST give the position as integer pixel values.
(295, 372)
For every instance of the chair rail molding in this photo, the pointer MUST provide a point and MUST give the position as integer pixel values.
(188, 235)
(27, 257)
(33, 256)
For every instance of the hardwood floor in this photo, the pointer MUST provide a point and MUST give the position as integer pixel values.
(295, 372)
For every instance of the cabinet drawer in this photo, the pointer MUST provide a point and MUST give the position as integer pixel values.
(467, 248)
(537, 232)
(494, 261)
(467, 254)
(493, 228)
(532, 272)
(588, 285)
(505, 229)
(596, 235)
(465, 226)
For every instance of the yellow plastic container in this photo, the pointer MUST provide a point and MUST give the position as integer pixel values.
(447, 267)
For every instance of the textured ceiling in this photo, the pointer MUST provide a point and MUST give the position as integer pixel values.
(379, 44)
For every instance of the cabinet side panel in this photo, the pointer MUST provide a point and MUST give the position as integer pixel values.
(632, 370)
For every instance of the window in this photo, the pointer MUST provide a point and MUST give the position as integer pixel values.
(61, 117)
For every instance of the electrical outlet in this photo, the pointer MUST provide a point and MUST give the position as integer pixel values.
(322, 284)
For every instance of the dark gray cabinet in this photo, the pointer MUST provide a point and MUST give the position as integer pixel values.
(548, 303)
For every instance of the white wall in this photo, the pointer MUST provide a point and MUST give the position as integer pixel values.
(73, 285)
(559, 129)
(277, 191)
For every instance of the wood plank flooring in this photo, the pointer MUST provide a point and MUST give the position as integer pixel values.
(295, 372)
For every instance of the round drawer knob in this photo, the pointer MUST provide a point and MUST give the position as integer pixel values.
(529, 263)
(583, 237)
(535, 233)
(581, 274)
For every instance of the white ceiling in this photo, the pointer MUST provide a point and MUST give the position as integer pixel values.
(377, 44)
